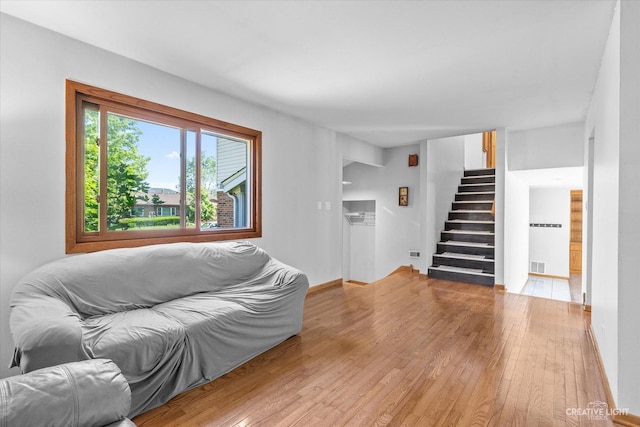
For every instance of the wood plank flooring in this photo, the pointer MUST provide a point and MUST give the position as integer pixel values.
(406, 351)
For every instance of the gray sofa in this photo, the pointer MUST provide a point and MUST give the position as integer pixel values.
(172, 317)
(77, 394)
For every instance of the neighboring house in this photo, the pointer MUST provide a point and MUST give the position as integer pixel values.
(231, 176)
(170, 205)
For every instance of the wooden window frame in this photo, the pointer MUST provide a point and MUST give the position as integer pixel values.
(77, 241)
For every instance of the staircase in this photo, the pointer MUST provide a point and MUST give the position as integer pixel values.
(465, 252)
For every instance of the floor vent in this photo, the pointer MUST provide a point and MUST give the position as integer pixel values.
(537, 267)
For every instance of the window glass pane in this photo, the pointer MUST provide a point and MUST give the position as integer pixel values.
(208, 187)
(91, 170)
(190, 184)
(231, 179)
(143, 175)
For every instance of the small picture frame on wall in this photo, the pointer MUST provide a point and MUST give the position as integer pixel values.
(403, 196)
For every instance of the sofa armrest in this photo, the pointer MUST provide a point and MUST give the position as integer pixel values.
(45, 332)
(88, 393)
(288, 276)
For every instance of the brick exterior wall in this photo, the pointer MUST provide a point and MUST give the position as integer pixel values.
(225, 210)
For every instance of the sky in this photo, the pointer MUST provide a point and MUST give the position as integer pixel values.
(162, 144)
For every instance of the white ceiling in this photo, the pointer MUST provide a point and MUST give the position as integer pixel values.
(387, 72)
(569, 177)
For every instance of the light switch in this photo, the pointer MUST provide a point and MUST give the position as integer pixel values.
(319, 206)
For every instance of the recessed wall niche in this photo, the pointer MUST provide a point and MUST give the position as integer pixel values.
(360, 212)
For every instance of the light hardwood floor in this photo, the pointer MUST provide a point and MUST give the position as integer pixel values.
(405, 351)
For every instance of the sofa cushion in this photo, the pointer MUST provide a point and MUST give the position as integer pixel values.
(137, 340)
(208, 322)
(222, 334)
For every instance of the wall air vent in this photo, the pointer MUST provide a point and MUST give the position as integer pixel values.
(414, 253)
(537, 267)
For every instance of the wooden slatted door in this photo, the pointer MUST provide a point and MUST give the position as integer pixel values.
(575, 244)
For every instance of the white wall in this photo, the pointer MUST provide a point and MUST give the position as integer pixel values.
(34, 65)
(603, 116)
(549, 147)
(550, 245)
(360, 151)
(612, 119)
(397, 228)
(629, 231)
(362, 253)
(346, 247)
(444, 168)
(516, 235)
(474, 157)
(502, 144)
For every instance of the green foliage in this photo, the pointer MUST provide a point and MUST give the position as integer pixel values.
(207, 188)
(208, 210)
(158, 221)
(207, 174)
(91, 172)
(126, 169)
(155, 199)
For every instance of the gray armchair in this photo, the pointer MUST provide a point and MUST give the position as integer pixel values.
(88, 393)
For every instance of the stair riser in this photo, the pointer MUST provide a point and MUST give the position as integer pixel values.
(462, 237)
(486, 206)
(475, 188)
(461, 277)
(479, 180)
(472, 250)
(486, 266)
(479, 172)
(471, 216)
(474, 226)
(467, 197)
(466, 231)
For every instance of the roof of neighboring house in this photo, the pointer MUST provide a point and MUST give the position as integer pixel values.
(170, 198)
(234, 180)
(160, 190)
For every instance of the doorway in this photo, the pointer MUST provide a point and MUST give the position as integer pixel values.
(555, 227)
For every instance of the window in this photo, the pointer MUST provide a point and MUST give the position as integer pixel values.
(166, 211)
(141, 173)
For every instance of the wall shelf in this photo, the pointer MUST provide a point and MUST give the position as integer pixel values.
(360, 212)
(361, 218)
